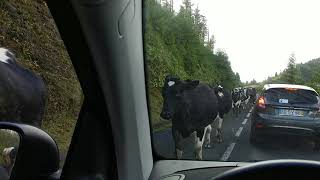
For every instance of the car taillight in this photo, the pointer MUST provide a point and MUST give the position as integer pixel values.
(261, 102)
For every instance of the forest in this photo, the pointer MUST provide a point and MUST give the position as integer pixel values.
(299, 73)
(180, 43)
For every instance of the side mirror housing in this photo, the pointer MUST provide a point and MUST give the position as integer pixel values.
(37, 156)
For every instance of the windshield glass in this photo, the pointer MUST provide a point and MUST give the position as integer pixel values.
(207, 65)
(288, 96)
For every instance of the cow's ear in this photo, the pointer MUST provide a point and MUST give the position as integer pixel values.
(191, 85)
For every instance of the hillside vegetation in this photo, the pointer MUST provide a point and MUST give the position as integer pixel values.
(176, 43)
(179, 43)
(28, 29)
(304, 74)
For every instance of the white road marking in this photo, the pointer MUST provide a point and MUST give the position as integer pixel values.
(245, 121)
(248, 115)
(228, 152)
(238, 133)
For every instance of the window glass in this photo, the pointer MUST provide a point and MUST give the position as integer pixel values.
(208, 63)
(281, 95)
(38, 85)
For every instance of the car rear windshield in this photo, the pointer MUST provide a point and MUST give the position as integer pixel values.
(291, 96)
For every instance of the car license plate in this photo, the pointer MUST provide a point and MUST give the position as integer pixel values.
(290, 112)
(283, 101)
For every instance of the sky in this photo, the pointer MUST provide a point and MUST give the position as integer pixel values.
(260, 35)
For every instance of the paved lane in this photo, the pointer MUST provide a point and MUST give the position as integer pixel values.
(236, 145)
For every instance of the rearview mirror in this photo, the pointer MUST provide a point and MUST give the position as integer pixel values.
(27, 153)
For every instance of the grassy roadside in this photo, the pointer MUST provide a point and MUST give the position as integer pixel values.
(155, 103)
(28, 29)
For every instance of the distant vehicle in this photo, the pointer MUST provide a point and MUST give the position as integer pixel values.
(285, 109)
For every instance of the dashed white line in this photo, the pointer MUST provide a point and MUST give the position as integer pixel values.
(238, 133)
(228, 152)
(230, 148)
(244, 121)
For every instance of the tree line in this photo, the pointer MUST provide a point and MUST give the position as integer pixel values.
(180, 43)
(302, 73)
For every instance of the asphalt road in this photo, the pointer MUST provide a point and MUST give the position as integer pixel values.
(236, 146)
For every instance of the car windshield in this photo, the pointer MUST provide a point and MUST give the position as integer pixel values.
(233, 80)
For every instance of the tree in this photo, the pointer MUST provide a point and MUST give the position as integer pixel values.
(186, 8)
(290, 75)
(200, 23)
(210, 43)
(168, 4)
(253, 81)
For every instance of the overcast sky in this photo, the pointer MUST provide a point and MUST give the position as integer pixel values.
(260, 35)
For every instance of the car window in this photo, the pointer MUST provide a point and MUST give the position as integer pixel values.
(288, 96)
(38, 85)
(208, 64)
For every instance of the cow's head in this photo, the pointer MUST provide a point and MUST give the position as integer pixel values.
(172, 91)
(8, 156)
(218, 90)
(6, 56)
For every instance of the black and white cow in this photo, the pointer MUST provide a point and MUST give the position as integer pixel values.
(8, 157)
(236, 101)
(22, 93)
(224, 106)
(252, 93)
(192, 107)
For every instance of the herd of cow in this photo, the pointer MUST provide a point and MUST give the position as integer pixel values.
(194, 108)
(242, 98)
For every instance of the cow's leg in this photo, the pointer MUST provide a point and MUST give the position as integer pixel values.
(178, 144)
(179, 153)
(207, 140)
(233, 108)
(237, 109)
(219, 128)
(197, 146)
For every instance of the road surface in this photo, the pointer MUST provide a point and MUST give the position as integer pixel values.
(236, 145)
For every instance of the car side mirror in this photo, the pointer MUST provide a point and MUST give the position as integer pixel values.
(35, 154)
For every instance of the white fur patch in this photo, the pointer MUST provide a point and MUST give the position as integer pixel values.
(220, 94)
(3, 55)
(6, 151)
(171, 83)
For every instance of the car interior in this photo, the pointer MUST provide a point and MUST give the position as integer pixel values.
(113, 134)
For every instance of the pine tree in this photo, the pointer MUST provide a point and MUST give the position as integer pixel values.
(210, 43)
(186, 8)
(291, 71)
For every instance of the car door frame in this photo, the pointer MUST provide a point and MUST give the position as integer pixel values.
(110, 68)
